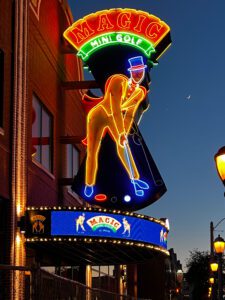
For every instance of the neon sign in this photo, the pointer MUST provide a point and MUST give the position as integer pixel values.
(106, 40)
(119, 46)
(114, 113)
(116, 26)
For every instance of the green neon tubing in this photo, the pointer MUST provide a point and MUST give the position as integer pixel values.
(87, 49)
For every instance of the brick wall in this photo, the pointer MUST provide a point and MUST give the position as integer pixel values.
(48, 68)
(6, 35)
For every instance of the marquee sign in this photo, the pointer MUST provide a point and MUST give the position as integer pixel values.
(60, 223)
(131, 27)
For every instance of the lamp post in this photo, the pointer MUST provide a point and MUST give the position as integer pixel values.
(219, 246)
(214, 267)
(212, 228)
(219, 242)
(213, 262)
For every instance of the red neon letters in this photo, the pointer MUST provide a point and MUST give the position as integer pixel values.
(116, 20)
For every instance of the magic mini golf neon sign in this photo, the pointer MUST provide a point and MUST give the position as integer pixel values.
(116, 26)
(128, 37)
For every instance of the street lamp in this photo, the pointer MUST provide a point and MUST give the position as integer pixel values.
(213, 262)
(220, 163)
(209, 291)
(211, 280)
(219, 246)
(219, 242)
(213, 265)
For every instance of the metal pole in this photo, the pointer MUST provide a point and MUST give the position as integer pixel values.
(211, 239)
(212, 255)
(220, 272)
(220, 277)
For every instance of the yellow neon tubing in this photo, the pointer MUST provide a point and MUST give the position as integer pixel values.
(115, 114)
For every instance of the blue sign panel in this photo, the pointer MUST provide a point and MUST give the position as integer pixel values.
(89, 224)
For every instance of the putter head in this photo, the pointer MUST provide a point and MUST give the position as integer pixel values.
(139, 193)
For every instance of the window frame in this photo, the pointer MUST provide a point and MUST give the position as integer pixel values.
(39, 162)
(72, 157)
(68, 187)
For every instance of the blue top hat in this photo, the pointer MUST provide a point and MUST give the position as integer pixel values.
(136, 63)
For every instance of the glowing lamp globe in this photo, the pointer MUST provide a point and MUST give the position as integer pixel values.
(211, 280)
(220, 163)
(219, 245)
(214, 266)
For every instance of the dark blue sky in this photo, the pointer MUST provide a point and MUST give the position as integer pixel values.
(184, 134)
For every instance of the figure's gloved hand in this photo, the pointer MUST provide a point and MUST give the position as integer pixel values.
(123, 139)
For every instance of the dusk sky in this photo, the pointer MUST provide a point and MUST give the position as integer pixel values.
(185, 125)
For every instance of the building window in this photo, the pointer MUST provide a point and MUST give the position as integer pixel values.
(103, 277)
(1, 86)
(42, 124)
(72, 161)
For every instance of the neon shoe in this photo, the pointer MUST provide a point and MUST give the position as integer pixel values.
(88, 190)
(140, 184)
(139, 193)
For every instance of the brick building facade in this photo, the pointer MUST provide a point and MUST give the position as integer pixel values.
(36, 113)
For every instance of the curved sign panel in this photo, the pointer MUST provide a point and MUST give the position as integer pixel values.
(76, 222)
(105, 225)
(117, 26)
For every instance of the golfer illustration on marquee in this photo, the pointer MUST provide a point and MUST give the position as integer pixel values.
(80, 222)
(126, 227)
(114, 113)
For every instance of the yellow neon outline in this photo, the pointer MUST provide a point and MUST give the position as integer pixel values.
(114, 113)
(164, 51)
